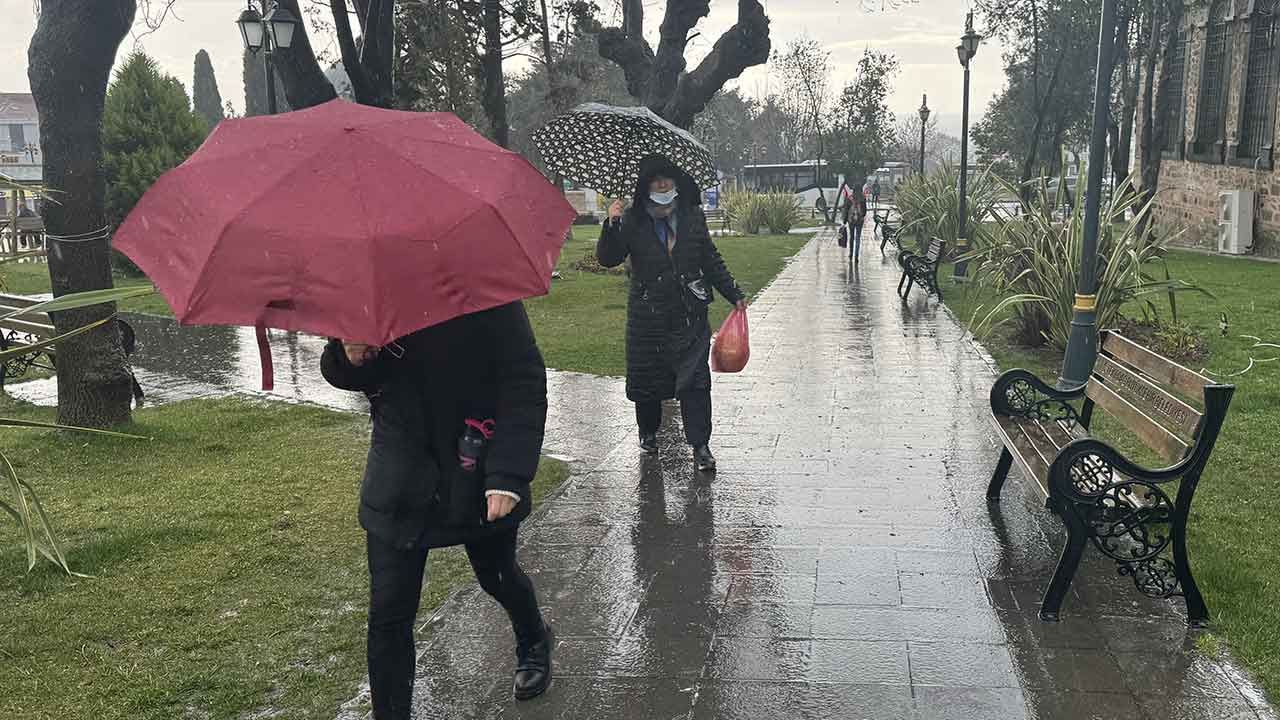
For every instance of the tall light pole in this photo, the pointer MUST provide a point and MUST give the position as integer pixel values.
(924, 123)
(967, 48)
(1082, 345)
(268, 31)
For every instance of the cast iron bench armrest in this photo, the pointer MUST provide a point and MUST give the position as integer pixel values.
(1012, 384)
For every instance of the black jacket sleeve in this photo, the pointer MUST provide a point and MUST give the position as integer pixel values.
(612, 248)
(521, 416)
(340, 373)
(713, 267)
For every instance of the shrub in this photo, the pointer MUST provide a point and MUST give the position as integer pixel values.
(750, 212)
(930, 205)
(1033, 262)
(745, 212)
(781, 212)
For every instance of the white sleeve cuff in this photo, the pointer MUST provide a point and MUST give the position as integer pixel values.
(504, 493)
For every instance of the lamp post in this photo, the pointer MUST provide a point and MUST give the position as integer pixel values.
(924, 123)
(1082, 345)
(967, 48)
(268, 31)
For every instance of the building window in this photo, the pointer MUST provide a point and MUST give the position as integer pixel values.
(1211, 109)
(1174, 88)
(17, 138)
(1257, 119)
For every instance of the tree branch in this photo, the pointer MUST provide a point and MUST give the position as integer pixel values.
(742, 46)
(632, 54)
(669, 63)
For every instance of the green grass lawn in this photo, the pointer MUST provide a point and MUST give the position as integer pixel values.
(1234, 544)
(581, 325)
(228, 570)
(32, 278)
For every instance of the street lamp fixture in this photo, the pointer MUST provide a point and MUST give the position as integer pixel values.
(251, 29)
(924, 125)
(282, 24)
(270, 33)
(967, 48)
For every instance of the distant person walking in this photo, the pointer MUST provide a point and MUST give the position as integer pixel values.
(855, 214)
(875, 193)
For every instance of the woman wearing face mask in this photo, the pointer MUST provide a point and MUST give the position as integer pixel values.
(674, 267)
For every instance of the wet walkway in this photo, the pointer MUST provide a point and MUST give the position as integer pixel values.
(843, 564)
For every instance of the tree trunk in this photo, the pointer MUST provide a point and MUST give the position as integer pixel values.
(1156, 98)
(1041, 111)
(370, 65)
(1121, 133)
(495, 93)
(300, 75)
(69, 64)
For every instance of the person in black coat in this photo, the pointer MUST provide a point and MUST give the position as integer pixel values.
(458, 416)
(674, 266)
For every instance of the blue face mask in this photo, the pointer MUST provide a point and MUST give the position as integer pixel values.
(664, 198)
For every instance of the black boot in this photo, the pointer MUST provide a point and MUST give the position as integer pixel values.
(533, 665)
(706, 461)
(649, 444)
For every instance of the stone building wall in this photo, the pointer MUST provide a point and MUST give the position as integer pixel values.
(1187, 204)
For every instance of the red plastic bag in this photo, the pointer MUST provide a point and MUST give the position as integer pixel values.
(732, 348)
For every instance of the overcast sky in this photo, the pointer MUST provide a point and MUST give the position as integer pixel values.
(923, 36)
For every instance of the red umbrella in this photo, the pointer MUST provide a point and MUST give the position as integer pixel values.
(346, 221)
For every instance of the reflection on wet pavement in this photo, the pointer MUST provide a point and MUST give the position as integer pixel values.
(587, 417)
(843, 564)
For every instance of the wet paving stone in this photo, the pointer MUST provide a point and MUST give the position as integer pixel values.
(957, 664)
(755, 619)
(757, 659)
(968, 703)
(882, 662)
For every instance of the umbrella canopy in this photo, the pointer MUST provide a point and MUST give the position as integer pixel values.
(600, 147)
(346, 221)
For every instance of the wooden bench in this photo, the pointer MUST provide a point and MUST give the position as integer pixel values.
(36, 326)
(1134, 515)
(717, 216)
(921, 270)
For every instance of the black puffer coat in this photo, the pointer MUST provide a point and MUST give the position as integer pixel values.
(668, 337)
(484, 365)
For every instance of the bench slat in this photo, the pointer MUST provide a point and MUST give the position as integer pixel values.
(38, 318)
(1023, 447)
(1153, 434)
(39, 330)
(17, 301)
(1155, 402)
(1056, 433)
(1160, 370)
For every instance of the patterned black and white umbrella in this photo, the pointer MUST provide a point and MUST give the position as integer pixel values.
(601, 146)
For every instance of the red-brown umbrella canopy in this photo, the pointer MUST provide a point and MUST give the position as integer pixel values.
(346, 221)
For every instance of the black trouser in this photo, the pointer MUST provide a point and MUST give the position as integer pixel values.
(395, 580)
(695, 408)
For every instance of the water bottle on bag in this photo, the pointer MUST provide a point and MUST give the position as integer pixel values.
(466, 500)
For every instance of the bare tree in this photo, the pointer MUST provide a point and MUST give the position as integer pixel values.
(806, 76)
(659, 80)
(69, 65)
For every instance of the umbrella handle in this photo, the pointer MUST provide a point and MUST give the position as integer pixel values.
(264, 358)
